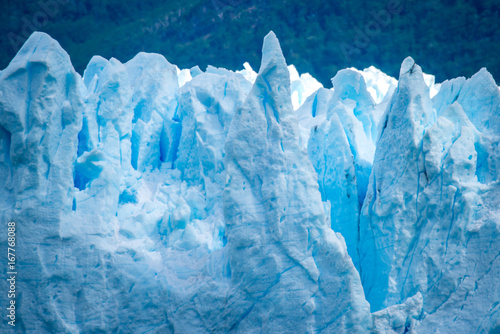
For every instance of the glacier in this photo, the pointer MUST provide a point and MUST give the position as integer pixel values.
(153, 199)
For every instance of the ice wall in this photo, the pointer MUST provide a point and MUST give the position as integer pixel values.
(150, 199)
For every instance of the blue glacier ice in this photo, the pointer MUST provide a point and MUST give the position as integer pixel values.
(153, 199)
(429, 224)
(286, 262)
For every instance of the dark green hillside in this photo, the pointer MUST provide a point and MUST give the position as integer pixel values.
(447, 38)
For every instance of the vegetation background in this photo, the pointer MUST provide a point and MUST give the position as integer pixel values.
(447, 38)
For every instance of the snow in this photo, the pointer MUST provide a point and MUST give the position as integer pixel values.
(153, 199)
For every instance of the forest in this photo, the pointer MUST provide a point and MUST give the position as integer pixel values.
(447, 38)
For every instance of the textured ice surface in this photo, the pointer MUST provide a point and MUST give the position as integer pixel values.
(153, 199)
(430, 222)
(302, 85)
(284, 258)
